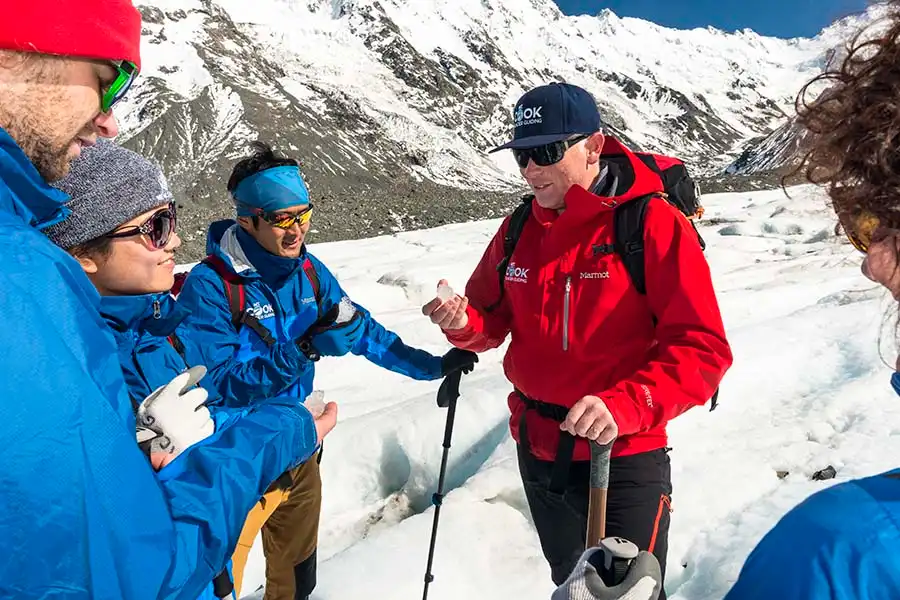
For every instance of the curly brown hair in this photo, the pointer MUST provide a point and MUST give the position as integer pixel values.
(852, 142)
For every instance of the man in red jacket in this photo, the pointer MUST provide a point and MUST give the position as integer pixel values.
(589, 357)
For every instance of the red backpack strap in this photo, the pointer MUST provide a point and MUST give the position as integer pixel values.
(310, 271)
(234, 287)
(179, 283)
(237, 299)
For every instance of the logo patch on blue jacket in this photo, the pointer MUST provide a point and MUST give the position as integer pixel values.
(261, 312)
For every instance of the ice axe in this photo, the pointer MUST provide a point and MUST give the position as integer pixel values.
(615, 555)
(599, 483)
(446, 398)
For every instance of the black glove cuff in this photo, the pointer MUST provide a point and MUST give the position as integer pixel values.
(309, 351)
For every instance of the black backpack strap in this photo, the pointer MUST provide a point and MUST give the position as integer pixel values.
(260, 329)
(629, 232)
(177, 344)
(237, 299)
(629, 238)
(700, 239)
(513, 232)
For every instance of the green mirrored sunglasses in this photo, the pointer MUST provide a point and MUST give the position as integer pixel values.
(126, 73)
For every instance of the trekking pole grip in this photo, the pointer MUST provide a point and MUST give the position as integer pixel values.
(599, 484)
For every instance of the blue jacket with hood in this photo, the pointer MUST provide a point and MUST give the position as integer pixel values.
(82, 513)
(141, 326)
(278, 293)
(842, 542)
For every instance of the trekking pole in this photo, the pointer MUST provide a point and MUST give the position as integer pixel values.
(446, 398)
(599, 482)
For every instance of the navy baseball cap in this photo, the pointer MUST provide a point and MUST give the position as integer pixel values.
(551, 113)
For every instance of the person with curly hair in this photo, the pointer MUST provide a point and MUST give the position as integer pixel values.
(844, 542)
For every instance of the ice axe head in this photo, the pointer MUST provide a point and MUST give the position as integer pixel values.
(614, 559)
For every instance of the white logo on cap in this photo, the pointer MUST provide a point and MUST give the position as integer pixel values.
(528, 116)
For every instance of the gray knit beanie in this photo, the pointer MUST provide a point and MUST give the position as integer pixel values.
(108, 185)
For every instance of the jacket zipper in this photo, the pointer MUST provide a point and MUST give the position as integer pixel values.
(157, 313)
(566, 313)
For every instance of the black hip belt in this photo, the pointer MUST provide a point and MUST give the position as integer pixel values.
(555, 412)
(559, 479)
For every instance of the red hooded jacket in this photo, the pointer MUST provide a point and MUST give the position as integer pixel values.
(578, 327)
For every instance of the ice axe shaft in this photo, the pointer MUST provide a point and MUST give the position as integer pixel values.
(599, 486)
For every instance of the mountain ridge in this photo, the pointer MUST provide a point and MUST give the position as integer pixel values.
(392, 105)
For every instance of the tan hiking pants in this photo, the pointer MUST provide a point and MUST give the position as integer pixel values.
(289, 522)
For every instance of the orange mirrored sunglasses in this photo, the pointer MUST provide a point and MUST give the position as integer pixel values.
(860, 229)
(286, 220)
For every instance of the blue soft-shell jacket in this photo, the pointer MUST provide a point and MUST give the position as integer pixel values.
(82, 513)
(142, 326)
(243, 367)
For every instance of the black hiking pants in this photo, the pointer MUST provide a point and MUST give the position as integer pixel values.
(638, 506)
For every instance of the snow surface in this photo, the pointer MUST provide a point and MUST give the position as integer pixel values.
(808, 389)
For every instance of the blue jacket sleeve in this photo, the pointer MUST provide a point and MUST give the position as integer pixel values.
(214, 342)
(378, 344)
(267, 440)
(822, 549)
(81, 510)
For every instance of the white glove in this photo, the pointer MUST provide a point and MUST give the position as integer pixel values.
(173, 417)
(643, 580)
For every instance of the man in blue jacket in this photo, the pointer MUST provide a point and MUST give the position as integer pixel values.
(82, 512)
(264, 311)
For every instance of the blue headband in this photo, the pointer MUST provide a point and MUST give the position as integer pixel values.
(271, 190)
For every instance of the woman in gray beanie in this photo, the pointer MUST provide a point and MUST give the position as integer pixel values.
(122, 232)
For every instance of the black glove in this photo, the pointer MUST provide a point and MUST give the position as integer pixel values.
(456, 360)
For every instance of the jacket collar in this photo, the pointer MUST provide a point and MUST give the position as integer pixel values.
(156, 314)
(35, 202)
(242, 253)
(615, 186)
(223, 242)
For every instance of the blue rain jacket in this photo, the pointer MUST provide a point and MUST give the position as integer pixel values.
(82, 513)
(241, 365)
(842, 542)
(141, 326)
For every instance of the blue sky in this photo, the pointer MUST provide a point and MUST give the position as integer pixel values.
(780, 18)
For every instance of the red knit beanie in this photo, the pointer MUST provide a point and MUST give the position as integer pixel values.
(101, 29)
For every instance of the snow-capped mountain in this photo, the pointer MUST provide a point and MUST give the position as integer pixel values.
(392, 104)
(781, 149)
(774, 151)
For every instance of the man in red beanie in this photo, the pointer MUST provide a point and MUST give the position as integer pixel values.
(82, 512)
(56, 60)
